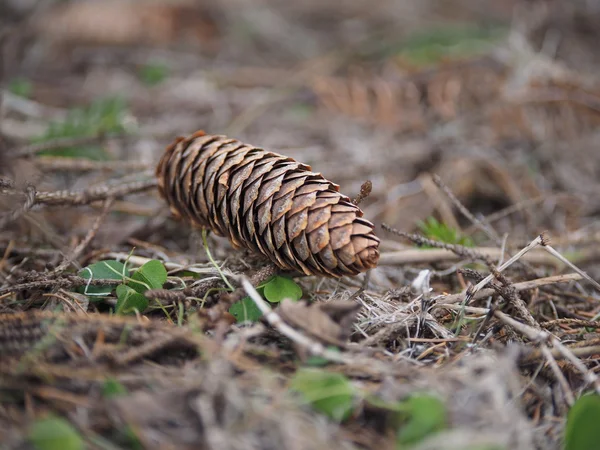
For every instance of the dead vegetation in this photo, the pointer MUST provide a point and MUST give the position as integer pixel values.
(481, 151)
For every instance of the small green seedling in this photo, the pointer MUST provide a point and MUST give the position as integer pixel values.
(103, 116)
(112, 388)
(103, 270)
(319, 361)
(433, 229)
(582, 430)
(430, 46)
(414, 419)
(274, 291)
(424, 415)
(330, 393)
(54, 433)
(129, 300)
(245, 310)
(152, 275)
(20, 87)
(278, 288)
(130, 294)
(153, 74)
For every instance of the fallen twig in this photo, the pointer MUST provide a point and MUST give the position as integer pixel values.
(522, 286)
(546, 246)
(78, 250)
(486, 228)
(64, 282)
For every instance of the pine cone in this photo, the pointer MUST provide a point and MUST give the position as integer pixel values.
(268, 203)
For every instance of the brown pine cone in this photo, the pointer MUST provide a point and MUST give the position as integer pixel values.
(268, 203)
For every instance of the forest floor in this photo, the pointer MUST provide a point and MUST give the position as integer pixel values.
(476, 123)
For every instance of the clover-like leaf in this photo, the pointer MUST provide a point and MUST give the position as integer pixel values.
(245, 310)
(278, 288)
(329, 393)
(582, 430)
(426, 415)
(151, 275)
(55, 433)
(102, 270)
(128, 300)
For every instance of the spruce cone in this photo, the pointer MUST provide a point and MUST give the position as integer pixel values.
(267, 203)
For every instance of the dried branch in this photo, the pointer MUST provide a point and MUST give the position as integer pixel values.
(522, 286)
(78, 250)
(69, 281)
(29, 201)
(84, 197)
(560, 257)
(430, 255)
(486, 228)
(459, 250)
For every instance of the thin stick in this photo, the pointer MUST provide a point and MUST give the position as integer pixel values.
(78, 250)
(84, 197)
(471, 292)
(570, 398)
(487, 229)
(579, 352)
(30, 196)
(522, 286)
(212, 260)
(459, 250)
(560, 257)
(425, 255)
(65, 282)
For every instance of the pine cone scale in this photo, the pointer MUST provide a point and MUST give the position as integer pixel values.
(318, 217)
(268, 203)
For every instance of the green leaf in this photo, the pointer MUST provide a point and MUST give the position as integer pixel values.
(54, 433)
(430, 46)
(378, 403)
(20, 87)
(103, 116)
(102, 270)
(245, 310)
(112, 388)
(582, 431)
(129, 300)
(153, 74)
(329, 393)
(319, 361)
(438, 231)
(151, 275)
(426, 415)
(279, 288)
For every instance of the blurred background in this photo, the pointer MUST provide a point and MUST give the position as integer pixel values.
(498, 98)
